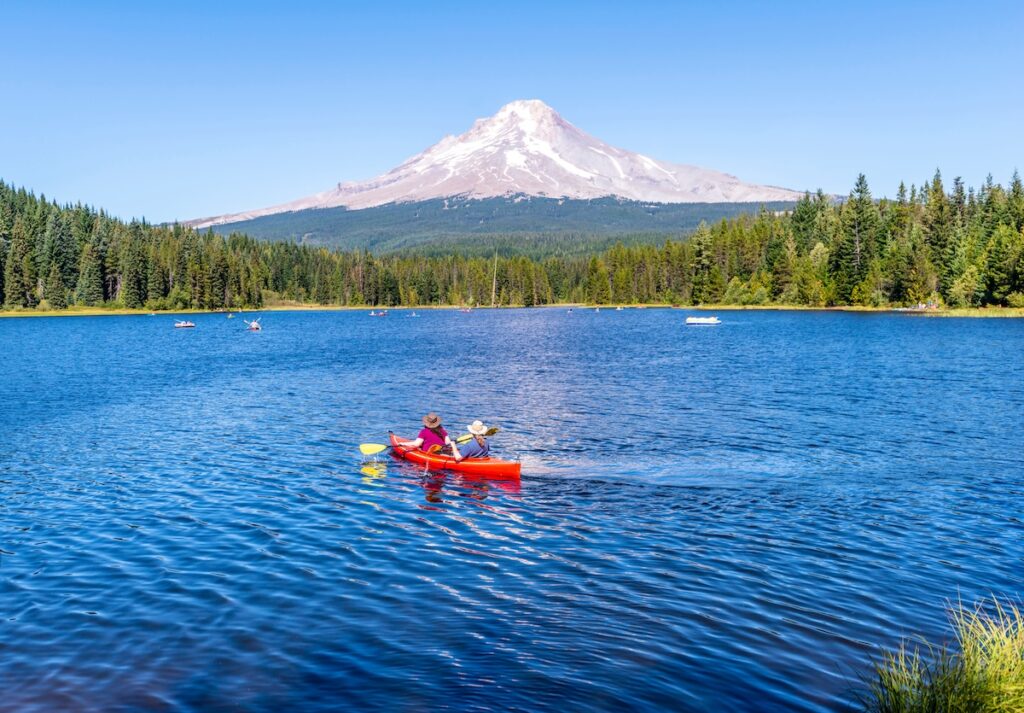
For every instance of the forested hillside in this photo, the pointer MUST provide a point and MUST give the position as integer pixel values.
(517, 225)
(957, 246)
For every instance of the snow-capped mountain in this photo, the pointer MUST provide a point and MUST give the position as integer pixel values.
(527, 148)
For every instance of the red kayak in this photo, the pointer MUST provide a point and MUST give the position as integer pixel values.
(491, 467)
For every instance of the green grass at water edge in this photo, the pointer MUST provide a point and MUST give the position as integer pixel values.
(981, 671)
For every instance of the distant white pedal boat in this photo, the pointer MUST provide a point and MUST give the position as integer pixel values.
(702, 321)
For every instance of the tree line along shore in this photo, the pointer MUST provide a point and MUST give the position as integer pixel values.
(956, 248)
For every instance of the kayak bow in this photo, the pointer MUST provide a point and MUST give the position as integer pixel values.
(491, 467)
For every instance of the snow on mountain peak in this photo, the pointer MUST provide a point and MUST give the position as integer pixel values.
(527, 113)
(527, 148)
(526, 107)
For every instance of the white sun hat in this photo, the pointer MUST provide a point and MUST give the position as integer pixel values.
(477, 428)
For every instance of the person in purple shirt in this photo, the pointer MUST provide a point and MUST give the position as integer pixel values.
(433, 436)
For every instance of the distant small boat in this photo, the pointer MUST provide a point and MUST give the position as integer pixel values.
(702, 321)
(230, 316)
(618, 309)
(254, 326)
(181, 324)
(597, 309)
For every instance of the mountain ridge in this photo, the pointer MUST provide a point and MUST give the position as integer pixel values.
(526, 148)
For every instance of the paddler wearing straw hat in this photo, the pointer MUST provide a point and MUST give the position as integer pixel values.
(477, 447)
(433, 438)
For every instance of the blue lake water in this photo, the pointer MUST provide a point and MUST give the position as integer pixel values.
(726, 518)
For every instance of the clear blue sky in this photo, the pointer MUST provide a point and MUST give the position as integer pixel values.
(178, 110)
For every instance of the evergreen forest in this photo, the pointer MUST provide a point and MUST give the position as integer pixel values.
(936, 243)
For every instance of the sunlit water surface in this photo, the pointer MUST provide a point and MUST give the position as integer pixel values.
(727, 518)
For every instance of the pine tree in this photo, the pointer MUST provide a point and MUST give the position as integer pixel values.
(1015, 201)
(939, 225)
(389, 293)
(89, 290)
(622, 292)
(958, 203)
(6, 223)
(156, 282)
(783, 277)
(860, 240)
(703, 262)
(846, 256)
(3, 265)
(999, 265)
(968, 289)
(60, 249)
(599, 289)
(19, 271)
(100, 243)
(55, 291)
(803, 221)
(134, 270)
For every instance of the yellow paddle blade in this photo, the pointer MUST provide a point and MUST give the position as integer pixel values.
(369, 449)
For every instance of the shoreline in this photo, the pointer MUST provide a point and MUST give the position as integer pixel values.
(963, 312)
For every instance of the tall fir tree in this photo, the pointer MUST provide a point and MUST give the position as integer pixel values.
(19, 271)
(60, 248)
(703, 263)
(55, 292)
(998, 265)
(89, 290)
(599, 289)
(860, 240)
(939, 225)
(805, 215)
(1015, 200)
(134, 266)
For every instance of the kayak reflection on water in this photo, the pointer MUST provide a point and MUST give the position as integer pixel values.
(434, 482)
(464, 487)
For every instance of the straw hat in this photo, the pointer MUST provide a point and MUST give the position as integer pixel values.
(477, 428)
(431, 420)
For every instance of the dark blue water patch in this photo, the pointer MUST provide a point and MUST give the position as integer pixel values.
(708, 519)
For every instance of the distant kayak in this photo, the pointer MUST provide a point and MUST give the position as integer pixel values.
(184, 325)
(702, 321)
(491, 467)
